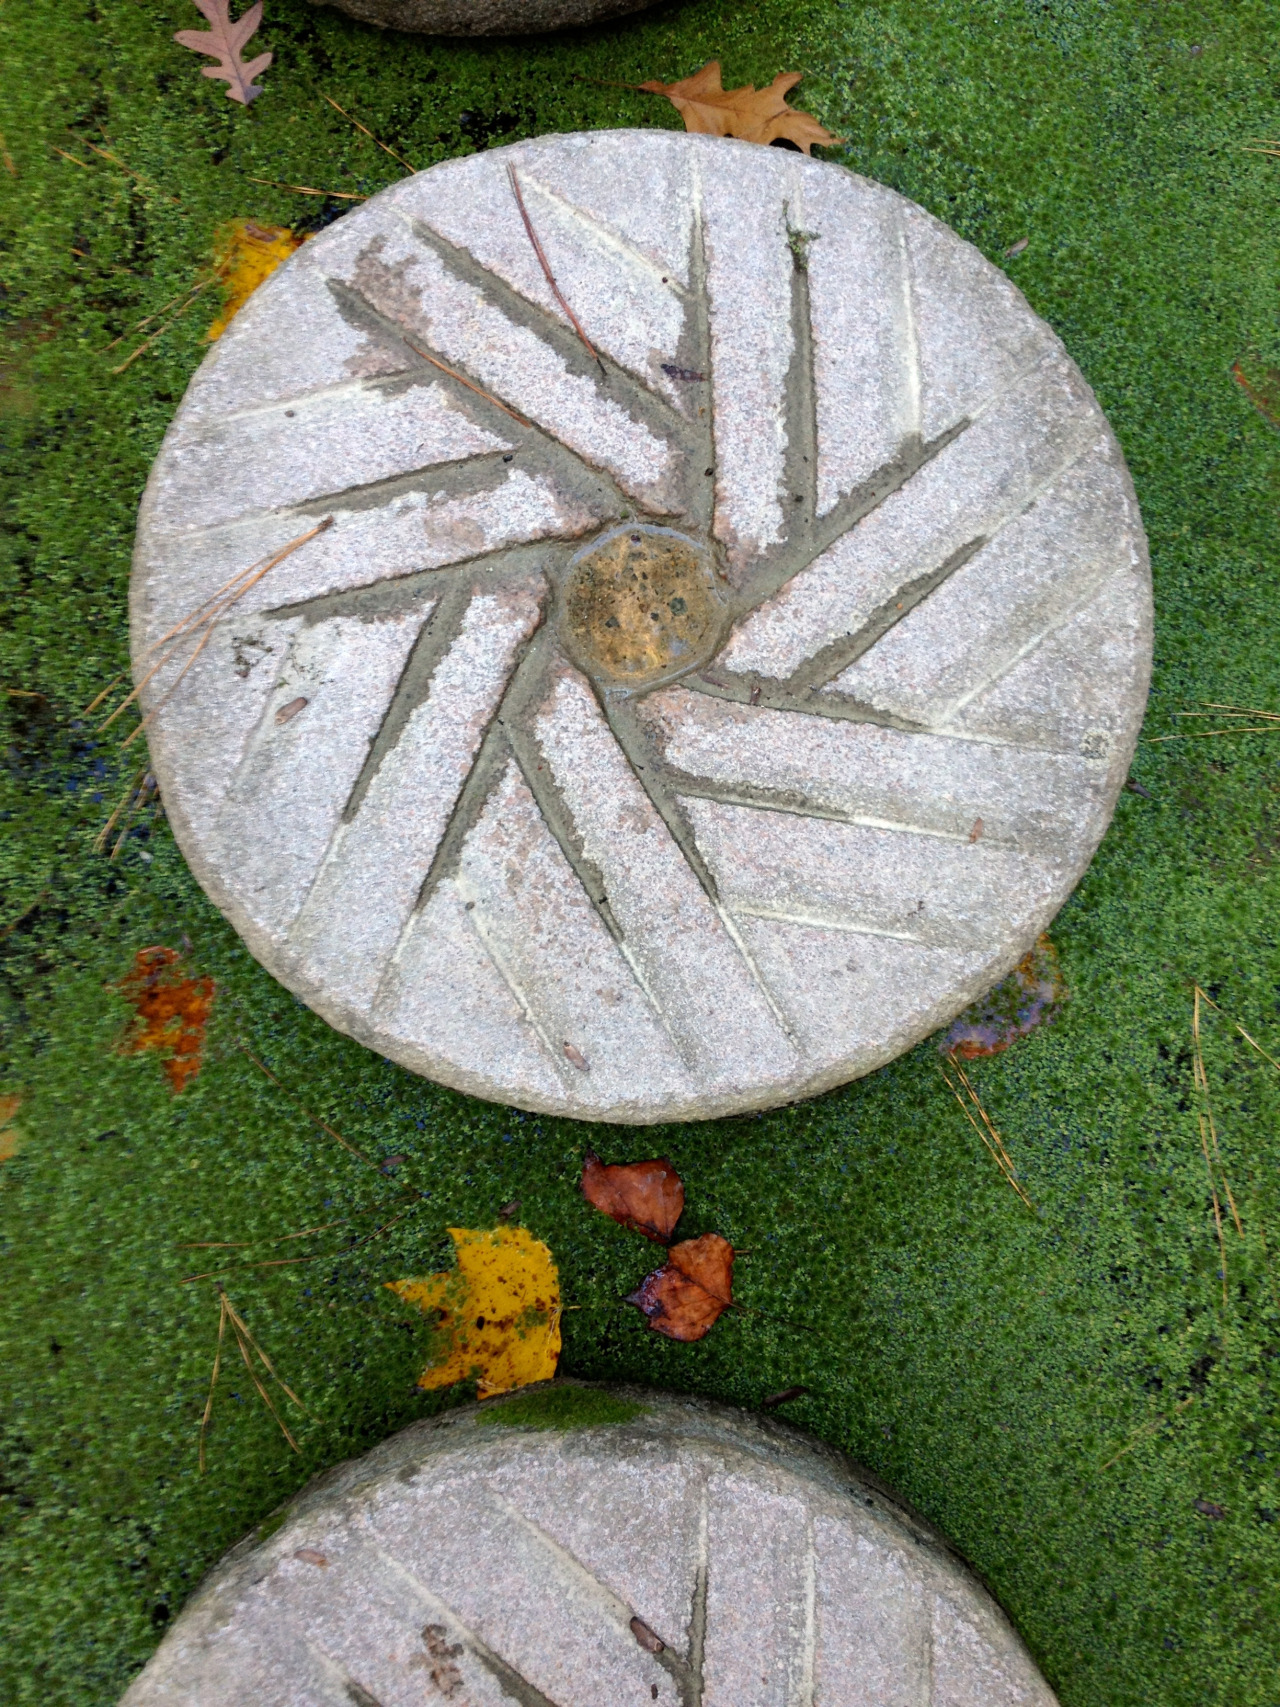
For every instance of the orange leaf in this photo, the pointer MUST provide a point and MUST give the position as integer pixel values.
(686, 1297)
(172, 1012)
(646, 1196)
(754, 115)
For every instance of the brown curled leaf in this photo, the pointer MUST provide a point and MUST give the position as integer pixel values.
(686, 1297)
(645, 1196)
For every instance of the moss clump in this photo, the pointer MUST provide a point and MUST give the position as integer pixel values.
(563, 1407)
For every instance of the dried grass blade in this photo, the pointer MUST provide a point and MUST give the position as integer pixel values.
(313, 1118)
(1146, 1429)
(213, 1380)
(100, 841)
(546, 268)
(1201, 1079)
(999, 1155)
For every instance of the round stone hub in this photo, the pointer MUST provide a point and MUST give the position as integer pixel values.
(642, 606)
(684, 1554)
(680, 728)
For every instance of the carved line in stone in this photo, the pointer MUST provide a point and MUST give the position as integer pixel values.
(791, 803)
(514, 1683)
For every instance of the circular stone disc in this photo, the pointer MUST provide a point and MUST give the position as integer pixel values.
(680, 729)
(685, 1554)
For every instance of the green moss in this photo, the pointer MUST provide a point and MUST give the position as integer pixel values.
(1056, 1390)
(562, 1407)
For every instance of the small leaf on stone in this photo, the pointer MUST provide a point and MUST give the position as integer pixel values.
(223, 42)
(754, 115)
(498, 1311)
(685, 1298)
(246, 253)
(645, 1196)
(171, 1012)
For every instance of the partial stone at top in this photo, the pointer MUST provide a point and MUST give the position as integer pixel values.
(484, 17)
(676, 730)
(685, 1554)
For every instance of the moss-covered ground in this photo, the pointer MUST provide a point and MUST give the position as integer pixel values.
(1072, 1394)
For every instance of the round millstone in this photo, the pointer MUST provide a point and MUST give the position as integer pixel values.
(680, 1553)
(676, 726)
(484, 17)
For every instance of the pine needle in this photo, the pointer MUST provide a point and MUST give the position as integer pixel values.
(986, 1131)
(308, 190)
(546, 268)
(1149, 1428)
(213, 1380)
(398, 158)
(470, 384)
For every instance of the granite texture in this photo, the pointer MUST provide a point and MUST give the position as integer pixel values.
(694, 1556)
(738, 841)
(484, 17)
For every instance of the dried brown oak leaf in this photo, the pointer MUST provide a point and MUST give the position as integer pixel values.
(645, 1196)
(754, 115)
(224, 42)
(686, 1297)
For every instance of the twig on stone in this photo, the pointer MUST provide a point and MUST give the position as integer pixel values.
(398, 158)
(986, 1131)
(470, 384)
(546, 268)
(309, 190)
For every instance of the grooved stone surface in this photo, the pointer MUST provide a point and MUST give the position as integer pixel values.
(480, 1564)
(678, 732)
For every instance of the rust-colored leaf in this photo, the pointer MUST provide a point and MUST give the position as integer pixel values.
(754, 115)
(246, 253)
(223, 42)
(645, 1196)
(685, 1298)
(172, 1012)
(1031, 995)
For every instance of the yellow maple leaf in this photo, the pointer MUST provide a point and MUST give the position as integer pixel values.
(753, 115)
(499, 1310)
(245, 253)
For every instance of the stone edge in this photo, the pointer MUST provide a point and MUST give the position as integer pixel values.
(276, 960)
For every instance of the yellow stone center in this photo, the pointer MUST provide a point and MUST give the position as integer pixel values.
(642, 604)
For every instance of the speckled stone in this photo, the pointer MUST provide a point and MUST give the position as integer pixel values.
(857, 539)
(484, 17)
(695, 1556)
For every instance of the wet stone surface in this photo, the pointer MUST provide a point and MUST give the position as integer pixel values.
(691, 1555)
(682, 731)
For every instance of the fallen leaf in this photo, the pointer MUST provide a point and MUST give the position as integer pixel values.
(783, 1398)
(754, 115)
(223, 43)
(246, 253)
(1031, 995)
(172, 1012)
(685, 1298)
(1209, 1508)
(499, 1311)
(646, 1196)
(10, 1137)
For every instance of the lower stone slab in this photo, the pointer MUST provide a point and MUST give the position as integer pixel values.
(484, 17)
(682, 1553)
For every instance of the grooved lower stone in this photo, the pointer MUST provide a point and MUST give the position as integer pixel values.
(680, 731)
(484, 17)
(470, 1562)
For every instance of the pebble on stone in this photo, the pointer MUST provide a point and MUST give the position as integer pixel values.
(651, 738)
(690, 1553)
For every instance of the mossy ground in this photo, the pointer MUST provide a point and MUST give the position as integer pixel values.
(1056, 1390)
